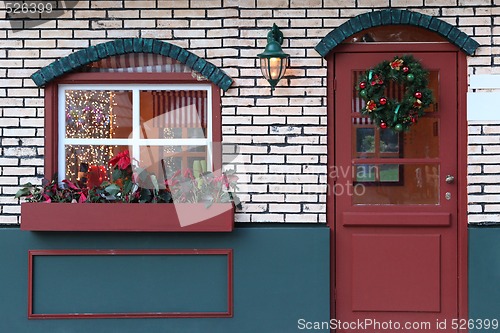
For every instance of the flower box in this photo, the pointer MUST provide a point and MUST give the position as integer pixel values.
(163, 217)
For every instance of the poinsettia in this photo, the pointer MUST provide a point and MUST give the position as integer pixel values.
(208, 187)
(137, 185)
(121, 160)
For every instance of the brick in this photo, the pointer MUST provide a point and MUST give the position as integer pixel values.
(491, 189)
(284, 188)
(272, 4)
(268, 178)
(268, 197)
(267, 218)
(181, 13)
(301, 218)
(268, 159)
(140, 4)
(491, 169)
(124, 14)
(4, 161)
(302, 159)
(9, 180)
(106, 4)
(339, 3)
(6, 219)
(284, 208)
(286, 149)
(21, 171)
(18, 132)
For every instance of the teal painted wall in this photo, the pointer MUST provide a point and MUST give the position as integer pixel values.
(484, 274)
(281, 274)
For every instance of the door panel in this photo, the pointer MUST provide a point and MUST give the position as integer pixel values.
(395, 228)
(407, 267)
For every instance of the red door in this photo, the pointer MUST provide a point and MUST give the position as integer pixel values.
(395, 205)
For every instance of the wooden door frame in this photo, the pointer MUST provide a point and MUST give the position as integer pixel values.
(462, 239)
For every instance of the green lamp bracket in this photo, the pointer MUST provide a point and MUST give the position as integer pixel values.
(275, 35)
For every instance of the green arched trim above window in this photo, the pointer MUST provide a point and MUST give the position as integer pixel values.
(396, 17)
(131, 45)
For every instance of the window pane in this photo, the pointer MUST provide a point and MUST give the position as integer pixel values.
(377, 173)
(396, 184)
(103, 114)
(421, 141)
(174, 114)
(88, 165)
(389, 141)
(166, 160)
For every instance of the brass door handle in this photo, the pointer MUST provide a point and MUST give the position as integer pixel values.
(449, 179)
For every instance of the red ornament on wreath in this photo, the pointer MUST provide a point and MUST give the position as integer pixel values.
(362, 85)
(406, 74)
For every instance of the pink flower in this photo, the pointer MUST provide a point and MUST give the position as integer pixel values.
(188, 173)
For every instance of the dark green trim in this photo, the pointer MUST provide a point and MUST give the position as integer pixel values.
(130, 45)
(396, 17)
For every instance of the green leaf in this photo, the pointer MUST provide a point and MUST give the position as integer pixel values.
(117, 174)
(113, 189)
(25, 191)
(145, 195)
(166, 197)
(154, 180)
(142, 173)
(127, 186)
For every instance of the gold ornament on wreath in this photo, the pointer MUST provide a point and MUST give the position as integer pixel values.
(388, 112)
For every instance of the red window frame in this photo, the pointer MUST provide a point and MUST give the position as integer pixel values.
(51, 107)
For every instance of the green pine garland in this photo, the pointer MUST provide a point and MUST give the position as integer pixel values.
(391, 113)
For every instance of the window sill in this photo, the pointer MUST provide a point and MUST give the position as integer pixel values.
(187, 217)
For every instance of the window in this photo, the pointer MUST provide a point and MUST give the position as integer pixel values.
(165, 127)
(373, 143)
(160, 110)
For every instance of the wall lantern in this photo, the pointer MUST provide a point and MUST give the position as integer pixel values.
(273, 61)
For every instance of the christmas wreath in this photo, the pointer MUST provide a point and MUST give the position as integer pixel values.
(388, 112)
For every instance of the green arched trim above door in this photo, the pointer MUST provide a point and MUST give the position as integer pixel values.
(396, 17)
(131, 45)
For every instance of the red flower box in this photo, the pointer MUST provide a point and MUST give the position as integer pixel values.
(185, 217)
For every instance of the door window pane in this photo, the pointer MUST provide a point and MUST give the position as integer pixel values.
(365, 140)
(421, 141)
(396, 184)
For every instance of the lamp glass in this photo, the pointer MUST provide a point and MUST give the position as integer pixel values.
(273, 69)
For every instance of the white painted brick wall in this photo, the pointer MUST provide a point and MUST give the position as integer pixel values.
(281, 138)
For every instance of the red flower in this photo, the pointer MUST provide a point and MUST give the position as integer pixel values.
(122, 160)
